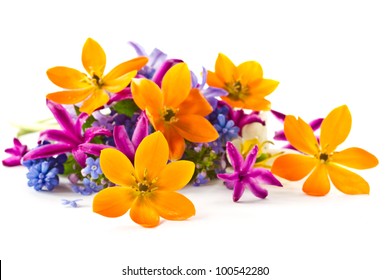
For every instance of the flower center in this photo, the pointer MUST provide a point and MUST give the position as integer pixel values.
(169, 115)
(96, 81)
(236, 90)
(143, 187)
(324, 158)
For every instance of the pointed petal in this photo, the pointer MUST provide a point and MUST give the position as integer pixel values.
(80, 156)
(141, 130)
(98, 99)
(118, 84)
(335, 128)
(70, 96)
(224, 68)
(256, 189)
(279, 116)
(172, 205)
(12, 161)
(347, 181)
(117, 167)
(147, 95)
(160, 73)
(113, 202)
(300, 135)
(91, 132)
(59, 136)
(265, 176)
(175, 175)
(125, 68)
(249, 72)
(318, 182)
(229, 177)
(196, 128)
(316, 124)
(235, 156)
(151, 156)
(176, 85)
(123, 143)
(138, 48)
(93, 149)
(78, 127)
(214, 81)
(68, 78)
(195, 104)
(47, 151)
(250, 159)
(176, 143)
(143, 213)
(238, 190)
(293, 167)
(355, 158)
(94, 58)
(264, 87)
(256, 103)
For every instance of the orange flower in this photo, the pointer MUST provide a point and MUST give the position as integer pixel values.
(322, 157)
(92, 89)
(176, 110)
(244, 83)
(148, 188)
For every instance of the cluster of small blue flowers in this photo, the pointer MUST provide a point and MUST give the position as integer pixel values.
(43, 173)
(93, 180)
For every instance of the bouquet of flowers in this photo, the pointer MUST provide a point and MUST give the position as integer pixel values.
(136, 135)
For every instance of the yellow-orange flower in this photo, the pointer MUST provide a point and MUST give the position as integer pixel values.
(322, 157)
(92, 88)
(244, 83)
(176, 110)
(149, 187)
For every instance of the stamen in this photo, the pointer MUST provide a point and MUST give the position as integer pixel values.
(324, 157)
(236, 90)
(169, 115)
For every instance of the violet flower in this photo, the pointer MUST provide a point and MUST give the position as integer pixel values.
(279, 135)
(241, 118)
(244, 175)
(16, 152)
(70, 139)
(122, 140)
(209, 93)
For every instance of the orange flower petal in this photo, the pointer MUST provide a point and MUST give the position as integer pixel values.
(147, 95)
(249, 72)
(175, 175)
(318, 182)
(126, 67)
(355, 158)
(293, 167)
(113, 201)
(256, 103)
(195, 104)
(214, 81)
(94, 58)
(335, 128)
(172, 205)
(143, 213)
(347, 181)
(97, 99)
(224, 68)
(300, 135)
(117, 167)
(119, 83)
(196, 128)
(151, 156)
(263, 87)
(176, 85)
(68, 78)
(70, 96)
(233, 103)
(175, 141)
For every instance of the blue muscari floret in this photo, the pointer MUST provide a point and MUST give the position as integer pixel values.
(93, 168)
(226, 128)
(43, 173)
(201, 179)
(89, 187)
(71, 203)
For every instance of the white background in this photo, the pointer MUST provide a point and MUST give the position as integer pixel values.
(324, 53)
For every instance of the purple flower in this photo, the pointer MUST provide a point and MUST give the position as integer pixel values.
(279, 135)
(16, 152)
(122, 140)
(92, 168)
(241, 118)
(244, 175)
(70, 139)
(89, 187)
(209, 93)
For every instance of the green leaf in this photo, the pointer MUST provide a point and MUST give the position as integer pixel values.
(71, 166)
(126, 107)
